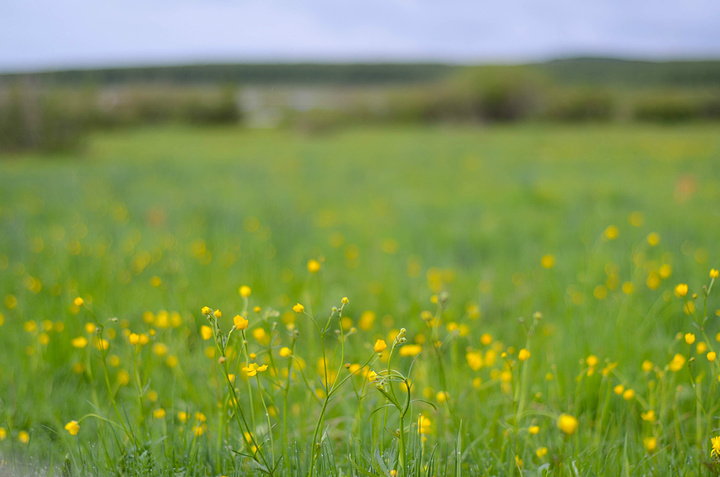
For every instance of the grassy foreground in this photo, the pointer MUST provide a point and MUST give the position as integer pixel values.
(512, 304)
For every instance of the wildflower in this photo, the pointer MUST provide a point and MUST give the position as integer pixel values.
(240, 322)
(647, 366)
(628, 395)
(410, 350)
(541, 452)
(217, 313)
(612, 232)
(650, 444)
(159, 413)
(591, 360)
(206, 332)
(567, 423)
(298, 308)
(253, 369)
(653, 239)
(313, 266)
(79, 302)
(79, 342)
(182, 416)
(711, 356)
(160, 349)
(715, 446)
(134, 338)
(534, 430)
(547, 261)
(285, 352)
(72, 427)
(648, 416)
(681, 290)
(689, 338)
(380, 346)
(677, 363)
(3, 433)
(714, 273)
(486, 339)
(474, 360)
(442, 396)
(24, 437)
(244, 291)
(701, 347)
(523, 355)
(206, 310)
(424, 424)
(619, 389)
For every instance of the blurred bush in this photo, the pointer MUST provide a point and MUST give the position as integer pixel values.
(54, 120)
(33, 119)
(580, 104)
(673, 106)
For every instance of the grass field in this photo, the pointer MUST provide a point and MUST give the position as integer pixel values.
(534, 270)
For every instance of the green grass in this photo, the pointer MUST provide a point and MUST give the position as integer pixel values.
(396, 217)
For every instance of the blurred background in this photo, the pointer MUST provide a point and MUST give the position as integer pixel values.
(70, 68)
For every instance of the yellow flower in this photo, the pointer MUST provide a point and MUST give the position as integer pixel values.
(612, 232)
(653, 239)
(160, 349)
(547, 261)
(313, 266)
(647, 366)
(650, 444)
(72, 427)
(689, 338)
(619, 389)
(253, 369)
(711, 356)
(206, 310)
(474, 360)
(24, 437)
(714, 273)
(534, 430)
(298, 308)
(567, 423)
(380, 346)
(541, 452)
(134, 338)
(345, 300)
(681, 290)
(159, 413)
(3, 433)
(442, 396)
(701, 347)
(677, 363)
(715, 446)
(648, 416)
(591, 360)
(410, 350)
(206, 332)
(486, 339)
(285, 352)
(78, 302)
(79, 342)
(628, 395)
(240, 322)
(217, 313)
(523, 354)
(244, 291)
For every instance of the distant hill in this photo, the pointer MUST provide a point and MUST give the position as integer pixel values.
(574, 71)
(615, 72)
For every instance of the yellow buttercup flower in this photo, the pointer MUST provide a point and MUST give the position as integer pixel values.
(534, 430)
(244, 291)
(206, 310)
(217, 314)
(159, 413)
(240, 322)
(79, 301)
(298, 308)
(285, 352)
(567, 424)
(689, 338)
(313, 266)
(380, 346)
(523, 354)
(677, 363)
(253, 369)
(72, 427)
(650, 444)
(681, 290)
(79, 342)
(206, 332)
(23, 437)
(714, 273)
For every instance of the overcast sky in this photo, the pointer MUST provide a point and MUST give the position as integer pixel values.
(40, 34)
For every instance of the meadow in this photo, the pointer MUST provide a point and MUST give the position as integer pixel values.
(408, 301)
